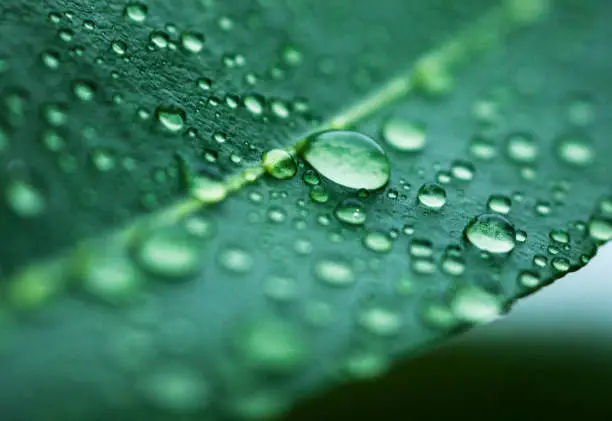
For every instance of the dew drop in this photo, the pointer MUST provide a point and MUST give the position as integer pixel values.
(491, 233)
(84, 91)
(404, 136)
(575, 150)
(169, 253)
(474, 305)
(279, 164)
(378, 242)
(171, 118)
(254, 104)
(600, 229)
(560, 264)
(522, 148)
(272, 345)
(351, 212)
(207, 190)
(432, 196)
(119, 47)
(348, 158)
(500, 204)
(236, 260)
(334, 272)
(191, 42)
(25, 199)
(380, 320)
(528, 279)
(136, 12)
(462, 170)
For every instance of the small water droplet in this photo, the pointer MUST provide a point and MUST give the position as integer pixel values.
(25, 199)
(560, 264)
(351, 212)
(378, 242)
(475, 305)
(318, 194)
(84, 91)
(522, 148)
(136, 12)
(559, 236)
(380, 320)
(171, 118)
(334, 272)
(192, 42)
(482, 148)
(169, 253)
(349, 159)
(500, 204)
(432, 196)
(529, 279)
(279, 164)
(119, 47)
(236, 260)
(403, 135)
(254, 103)
(272, 345)
(576, 150)
(207, 190)
(462, 170)
(491, 233)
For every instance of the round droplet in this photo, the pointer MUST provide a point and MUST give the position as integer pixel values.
(378, 242)
(403, 135)
(279, 164)
(119, 47)
(575, 150)
(84, 91)
(351, 212)
(208, 190)
(271, 345)
(380, 320)
(482, 148)
(254, 104)
(236, 260)
(192, 42)
(560, 264)
(169, 253)
(110, 276)
(475, 305)
(136, 12)
(529, 279)
(432, 196)
(334, 272)
(600, 228)
(348, 158)
(171, 118)
(25, 199)
(178, 390)
(491, 233)
(500, 204)
(462, 170)
(522, 148)
(559, 236)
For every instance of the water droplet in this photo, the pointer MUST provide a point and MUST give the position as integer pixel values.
(176, 389)
(404, 136)
(462, 170)
(560, 264)
(377, 241)
(420, 247)
(236, 260)
(279, 164)
(136, 12)
(529, 279)
(348, 158)
(119, 47)
(291, 55)
(600, 228)
(110, 276)
(559, 236)
(191, 42)
(543, 208)
(171, 118)
(432, 196)
(311, 178)
(281, 288)
(575, 150)
(318, 194)
(159, 39)
(25, 199)
(334, 272)
(207, 190)
(475, 305)
(540, 261)
(272, 345)
(365, 364)
(84, 91)
(51, 59)
(522, 148)
(254, 103)
(482, 148)
(380, 320)
(351, 212)
(452, 265)
(277, 214)
(491, 233)
(500, 204)
(423, 265)
(169, 253)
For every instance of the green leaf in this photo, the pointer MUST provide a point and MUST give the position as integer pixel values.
(180, 239)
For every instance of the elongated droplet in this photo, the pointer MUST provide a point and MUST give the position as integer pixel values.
(348, 158)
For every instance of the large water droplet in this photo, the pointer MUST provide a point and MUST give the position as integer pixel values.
(348, 158)
(404, 136)
(600, 228)
(491, 233)
(136, 12)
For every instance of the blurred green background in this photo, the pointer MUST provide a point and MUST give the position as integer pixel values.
(550, 358)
